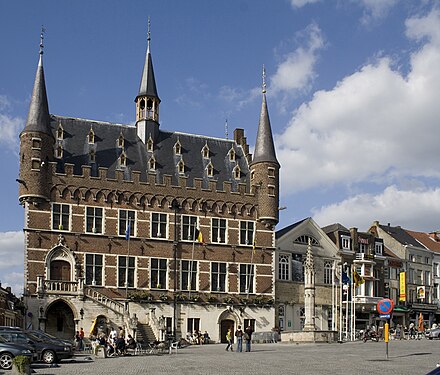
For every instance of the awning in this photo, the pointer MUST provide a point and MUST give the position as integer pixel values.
(401, 309)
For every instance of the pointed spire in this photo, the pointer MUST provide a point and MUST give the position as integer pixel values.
(148, 83)
(264, 146)
(38, 117)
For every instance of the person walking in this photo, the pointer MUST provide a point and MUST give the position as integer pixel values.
(248, 337)
(81, 339)
(229, 340)
(239, 336)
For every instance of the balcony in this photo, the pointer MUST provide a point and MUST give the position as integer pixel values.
(60, 287)
(364, 258)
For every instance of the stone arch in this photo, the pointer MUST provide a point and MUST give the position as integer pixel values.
(227, 319)
(61, 316)
(61, 253)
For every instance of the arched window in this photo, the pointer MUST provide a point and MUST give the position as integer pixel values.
(152, 164)
(210, 170)
(178, 148)
(91, 136)
(283, 267)
(181, 166)
(237, 172)
(121, 141)
(205, 151)
(150, 145)
(328, 273)
(60, 132)
(231, 155)
(304, 239)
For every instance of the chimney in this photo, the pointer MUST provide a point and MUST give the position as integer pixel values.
(354, 238)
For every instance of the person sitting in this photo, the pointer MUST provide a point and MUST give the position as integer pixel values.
(120, 346)
(131, 343)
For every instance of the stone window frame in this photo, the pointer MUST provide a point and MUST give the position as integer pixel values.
(130, 215)
(94, 268)
(94, 217)
(244, 229)
(271, 190)
(210, 170)
(150, 144)
(181, 166)
(157, 221)
(188, 224)
(59, 223)
(205, 151)
(232, 155)
(246, 278)
(219, 275)
(328, 272)
(35, 164)
(284, 267)
(131, 268)
(236, 172)
(177, 148)
(219, 229)
(60, 132)
(36, 143)
(187, 269)
(271, 172)
(91, 136)
(161, 273)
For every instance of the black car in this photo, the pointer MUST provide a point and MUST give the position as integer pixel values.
(48, 352)
(44, 336)
(9, 350)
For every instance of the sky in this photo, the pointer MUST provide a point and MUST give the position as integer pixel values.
(352, 90)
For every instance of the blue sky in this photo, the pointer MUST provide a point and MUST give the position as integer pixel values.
(352, 92)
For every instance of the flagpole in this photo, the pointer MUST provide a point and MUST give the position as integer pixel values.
(340, 304)
(127, 263)
(354, 311)
(252, 262)
(191, 264)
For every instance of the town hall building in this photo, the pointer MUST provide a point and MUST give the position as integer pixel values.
(158, 231)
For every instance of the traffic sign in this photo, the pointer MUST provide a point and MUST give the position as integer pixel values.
(384, 316)
(385, 306)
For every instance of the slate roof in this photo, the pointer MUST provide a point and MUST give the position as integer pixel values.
(76, 150)
(400, 235)
(282, 232)
(336, 227)
(38, 117)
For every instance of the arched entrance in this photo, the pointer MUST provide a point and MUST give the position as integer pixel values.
(60, 320)
(224, 326)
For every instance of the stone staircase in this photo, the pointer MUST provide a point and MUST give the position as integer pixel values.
(145, 334)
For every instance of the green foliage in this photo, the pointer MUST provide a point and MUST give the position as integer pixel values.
(22, 363)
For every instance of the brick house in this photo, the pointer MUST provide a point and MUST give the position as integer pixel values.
(113, 215)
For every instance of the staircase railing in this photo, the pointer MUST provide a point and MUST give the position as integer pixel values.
(101, 298)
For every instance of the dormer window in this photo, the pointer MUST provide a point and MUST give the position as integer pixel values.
(205, 151)
(150, 145)
(231, 155)
(123, 160)
(152, 164)
(210, 170)
(60, 132)
(178, 148)
(121, 141)
(181, 166)
(237, 172)
(91, 136)
(92, 155)
(59, 152)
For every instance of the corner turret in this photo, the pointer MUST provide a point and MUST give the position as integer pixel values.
(36, 143)
(265, 168)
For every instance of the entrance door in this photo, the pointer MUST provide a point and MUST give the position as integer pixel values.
(60, 321)
(60, 270)
(225, 325)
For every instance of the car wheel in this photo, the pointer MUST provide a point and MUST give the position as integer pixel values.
(48, 357)
(6, 361)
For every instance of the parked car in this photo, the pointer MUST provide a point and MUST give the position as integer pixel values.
(434, 333)
(48, 352)
(44, 336)
(9, 350)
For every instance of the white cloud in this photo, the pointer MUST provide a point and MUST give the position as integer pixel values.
(376, 9)
(10, 126)
(301, 3)
(12, 260)
(417, 209)
(296, 71)
(373, 125)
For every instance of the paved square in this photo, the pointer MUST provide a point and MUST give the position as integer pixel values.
(405, 357)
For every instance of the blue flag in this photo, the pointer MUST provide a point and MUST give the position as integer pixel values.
(127, 232)
(345, 278)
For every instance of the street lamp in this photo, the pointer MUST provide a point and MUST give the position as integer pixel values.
(175, 206)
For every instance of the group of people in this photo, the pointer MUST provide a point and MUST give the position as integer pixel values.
(241, 335)
(198, 338)
(115, 343)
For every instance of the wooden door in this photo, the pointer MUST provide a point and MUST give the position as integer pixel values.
(60, 270)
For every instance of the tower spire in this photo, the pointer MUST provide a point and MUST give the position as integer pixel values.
(264, 146)
(38, 117)
(148, 35)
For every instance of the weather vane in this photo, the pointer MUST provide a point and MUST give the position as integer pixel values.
(43, 30)
(264, 79)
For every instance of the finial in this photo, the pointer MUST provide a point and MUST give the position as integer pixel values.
(148, 34)
(226, 128)
(43, 30)
(264, 79)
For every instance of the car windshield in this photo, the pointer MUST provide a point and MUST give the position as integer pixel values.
(33, 337)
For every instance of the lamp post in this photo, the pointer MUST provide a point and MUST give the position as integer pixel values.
(175, 206)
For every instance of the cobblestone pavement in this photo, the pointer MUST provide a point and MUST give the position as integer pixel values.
(405, 357)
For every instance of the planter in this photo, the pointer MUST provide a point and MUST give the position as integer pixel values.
(21, 365)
